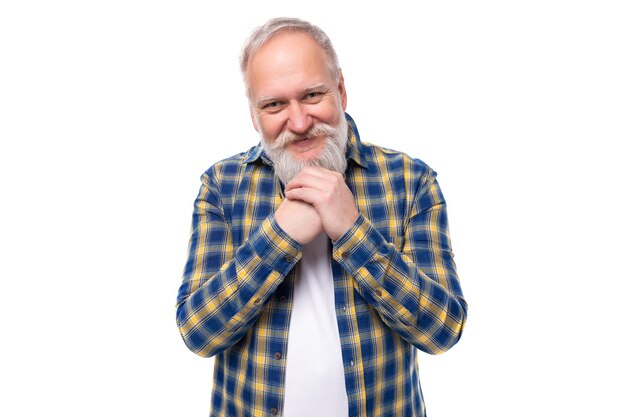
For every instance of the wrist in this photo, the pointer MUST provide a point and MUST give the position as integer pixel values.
(340, 231)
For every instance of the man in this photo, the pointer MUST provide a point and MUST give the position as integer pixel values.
(318, 264)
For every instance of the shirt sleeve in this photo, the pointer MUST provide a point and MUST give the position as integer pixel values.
(416, 291)
(224, 289)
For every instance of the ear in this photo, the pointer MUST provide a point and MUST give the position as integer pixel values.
(342, 91)
(254, 117)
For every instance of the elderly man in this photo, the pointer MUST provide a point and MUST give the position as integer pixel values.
(318, 264)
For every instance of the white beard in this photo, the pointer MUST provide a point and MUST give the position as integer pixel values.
(332, 157)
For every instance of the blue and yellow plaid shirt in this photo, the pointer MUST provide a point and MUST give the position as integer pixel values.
(396, 287)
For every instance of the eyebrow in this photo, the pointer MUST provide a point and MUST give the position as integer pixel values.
(315, 87)
(268, 99)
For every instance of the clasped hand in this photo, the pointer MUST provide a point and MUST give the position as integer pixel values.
(317, 200)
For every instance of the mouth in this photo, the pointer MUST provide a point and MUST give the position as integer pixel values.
(303, 139)
(303, 145)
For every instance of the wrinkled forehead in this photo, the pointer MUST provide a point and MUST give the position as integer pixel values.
(285, 47)
(289, 60)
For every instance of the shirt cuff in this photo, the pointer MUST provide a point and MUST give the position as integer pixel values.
(358, 245)
(272, 244)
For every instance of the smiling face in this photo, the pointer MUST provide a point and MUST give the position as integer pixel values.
(296, 103)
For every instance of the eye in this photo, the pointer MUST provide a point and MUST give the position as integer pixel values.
(271, 105)
(312, 94)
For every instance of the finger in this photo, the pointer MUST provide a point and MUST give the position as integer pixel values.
(320, 180)
(318, 171)
(308, 195)
(305, 181)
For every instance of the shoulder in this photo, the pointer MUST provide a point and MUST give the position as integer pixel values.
(405, 177)
(231, 167)
(397, 163)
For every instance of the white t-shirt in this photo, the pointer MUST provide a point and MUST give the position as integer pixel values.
(314, 380)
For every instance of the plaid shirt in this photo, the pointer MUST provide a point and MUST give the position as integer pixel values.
(396, 287)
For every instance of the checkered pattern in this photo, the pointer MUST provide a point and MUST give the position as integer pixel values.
(396, 287)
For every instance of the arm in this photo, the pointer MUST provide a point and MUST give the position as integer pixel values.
(416, 291)
(224, 289)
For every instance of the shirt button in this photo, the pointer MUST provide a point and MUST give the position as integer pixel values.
(351, 363)
(289, 258)
(378, 293)
(344, 308)
(283, 298)
(274, 411)
(257, 301)
(277, 355)
(345, 255)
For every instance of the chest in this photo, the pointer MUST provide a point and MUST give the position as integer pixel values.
(257, 193)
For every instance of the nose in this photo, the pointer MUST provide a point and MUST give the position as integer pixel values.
(299, 119)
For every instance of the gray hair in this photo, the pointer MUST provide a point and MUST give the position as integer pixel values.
(273, 27)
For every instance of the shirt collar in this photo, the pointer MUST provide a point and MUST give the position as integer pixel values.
(355, 150)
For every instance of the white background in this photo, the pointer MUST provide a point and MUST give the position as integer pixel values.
(110, 112)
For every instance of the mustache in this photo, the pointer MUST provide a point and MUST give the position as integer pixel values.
(319, 129)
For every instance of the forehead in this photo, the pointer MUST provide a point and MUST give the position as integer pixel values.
(290, 60)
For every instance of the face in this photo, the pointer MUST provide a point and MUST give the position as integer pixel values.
(293, 95)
